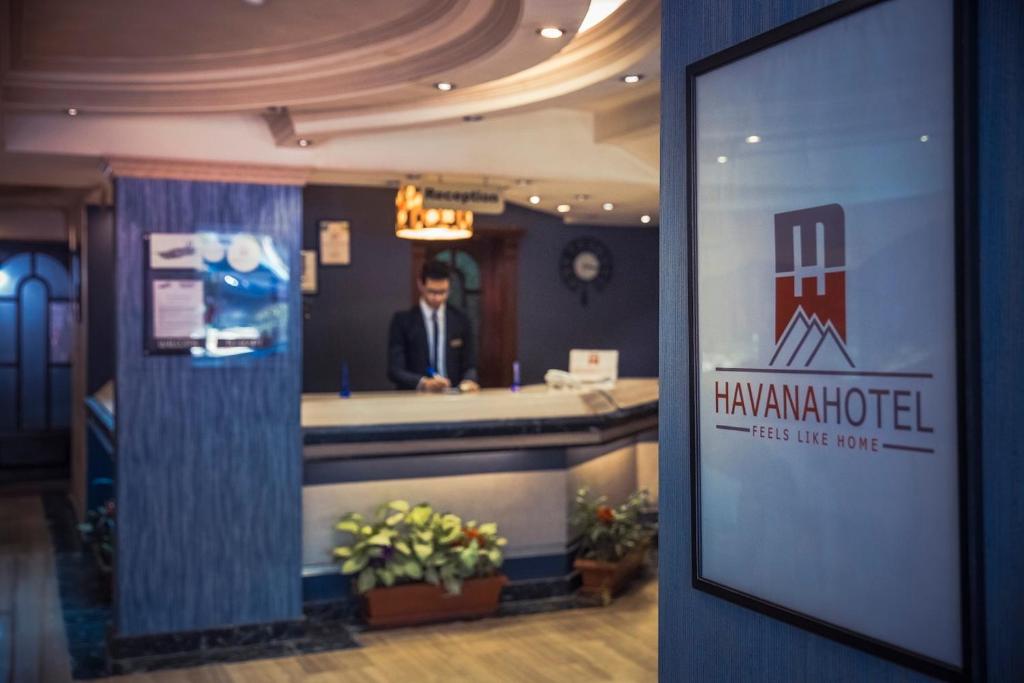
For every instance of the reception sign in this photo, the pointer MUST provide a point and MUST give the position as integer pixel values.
(826, 438)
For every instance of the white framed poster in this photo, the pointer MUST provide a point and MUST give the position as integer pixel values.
(825, 358)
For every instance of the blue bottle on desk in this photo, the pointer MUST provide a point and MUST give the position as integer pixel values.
(515, 376)
(344, 392)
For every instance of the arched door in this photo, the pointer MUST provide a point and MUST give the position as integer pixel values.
(36, 341)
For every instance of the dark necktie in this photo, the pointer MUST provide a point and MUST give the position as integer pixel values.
(435, 353)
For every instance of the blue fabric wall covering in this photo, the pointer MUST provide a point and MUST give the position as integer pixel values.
(209, 458)
(704, 638)
(1000, 201)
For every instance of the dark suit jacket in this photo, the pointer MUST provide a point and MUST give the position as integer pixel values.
(409, 357)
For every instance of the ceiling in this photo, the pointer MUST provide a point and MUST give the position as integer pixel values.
(244, 81)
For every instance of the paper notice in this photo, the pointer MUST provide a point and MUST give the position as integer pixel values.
(178, 309)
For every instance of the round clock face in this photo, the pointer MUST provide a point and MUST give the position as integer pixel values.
(586, 265)
(585, 262)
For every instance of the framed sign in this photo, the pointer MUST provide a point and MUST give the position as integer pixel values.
(212, 294)
(826, 362)
(309, 283)
(335, 243)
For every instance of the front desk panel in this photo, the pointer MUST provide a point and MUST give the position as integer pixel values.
(520, 472)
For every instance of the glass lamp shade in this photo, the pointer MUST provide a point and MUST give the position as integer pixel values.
(413, 222)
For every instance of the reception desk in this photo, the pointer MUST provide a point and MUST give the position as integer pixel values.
(514, 458)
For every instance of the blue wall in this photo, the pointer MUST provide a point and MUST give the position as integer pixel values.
(208, 458)
(348, 318)
(1000, 201)
(704, 638)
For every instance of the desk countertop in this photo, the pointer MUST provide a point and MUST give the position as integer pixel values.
(393, 415)
(535, 402)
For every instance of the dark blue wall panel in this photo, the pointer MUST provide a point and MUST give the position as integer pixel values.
(1001, 265)
(348, 319)
(552, 320)
(208, 458)
(703, 638)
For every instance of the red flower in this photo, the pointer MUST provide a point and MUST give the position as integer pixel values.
(474, 535)
(605, 514)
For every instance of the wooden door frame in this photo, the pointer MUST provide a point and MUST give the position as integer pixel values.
(499, 290)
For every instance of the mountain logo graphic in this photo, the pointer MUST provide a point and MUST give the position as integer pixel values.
(810, 286)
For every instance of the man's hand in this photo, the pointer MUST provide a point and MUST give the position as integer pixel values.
(468, 385)
(433, 384)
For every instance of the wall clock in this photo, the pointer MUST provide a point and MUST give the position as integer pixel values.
(585, 263)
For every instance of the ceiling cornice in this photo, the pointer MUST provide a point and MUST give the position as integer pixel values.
(310, 75)
(604, 52)
(171, 169)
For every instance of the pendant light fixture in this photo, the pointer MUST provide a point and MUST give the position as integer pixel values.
(414, 222)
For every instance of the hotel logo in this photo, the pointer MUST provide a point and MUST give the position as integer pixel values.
(810, 286)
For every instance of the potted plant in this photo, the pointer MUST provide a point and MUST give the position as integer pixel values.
(414, 565)
(613, 541)
(98, 532)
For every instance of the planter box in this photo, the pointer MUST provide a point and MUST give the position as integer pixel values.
(606, 579)
(420, 603)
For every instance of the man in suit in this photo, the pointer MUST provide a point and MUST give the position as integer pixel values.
(431, 346)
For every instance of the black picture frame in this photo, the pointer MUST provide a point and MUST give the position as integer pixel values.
(967, 345)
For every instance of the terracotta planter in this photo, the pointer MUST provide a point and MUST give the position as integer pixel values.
(420, 603)
(606, 579)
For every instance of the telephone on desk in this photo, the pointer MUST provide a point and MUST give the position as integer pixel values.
(590, 368)
(560, 379)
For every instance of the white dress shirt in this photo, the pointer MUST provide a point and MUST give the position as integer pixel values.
(428, 321)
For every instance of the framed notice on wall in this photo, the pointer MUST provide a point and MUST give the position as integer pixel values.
(825, 355)
(214, 294)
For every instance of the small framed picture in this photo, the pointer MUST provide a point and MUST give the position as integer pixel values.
(335, 245)
(309, 271)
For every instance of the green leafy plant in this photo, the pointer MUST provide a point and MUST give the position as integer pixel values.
(404, 544)
(98, 531)
(609, 533)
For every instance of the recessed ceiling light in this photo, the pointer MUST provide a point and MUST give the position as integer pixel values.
(534, 199)
(753, 139)
(563, 208)
(924, 138)
(632, 78)
(254, 3)
(551, 32)
(722, 159)
(72, 111)
(444, 86)
(303, 142)
(607, 206)
(645, 219)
